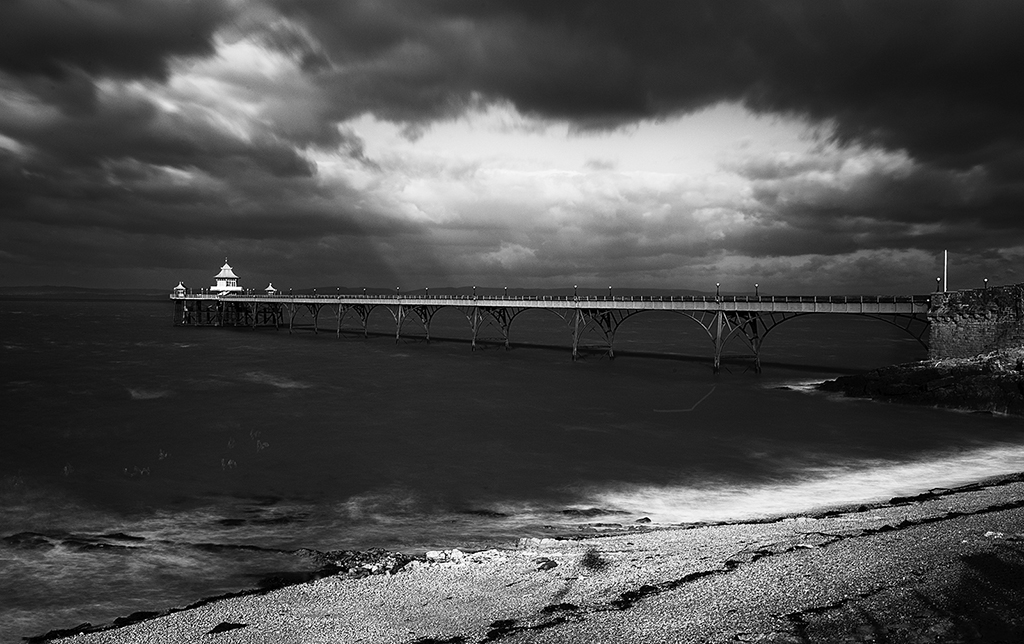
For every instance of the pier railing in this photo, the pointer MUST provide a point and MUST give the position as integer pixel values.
(910, 302)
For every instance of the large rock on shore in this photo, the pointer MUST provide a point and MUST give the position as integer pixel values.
(991, 382)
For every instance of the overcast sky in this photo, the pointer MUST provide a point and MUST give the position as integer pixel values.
(810, 146)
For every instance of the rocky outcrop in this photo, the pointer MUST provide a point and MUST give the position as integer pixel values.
(991, 382)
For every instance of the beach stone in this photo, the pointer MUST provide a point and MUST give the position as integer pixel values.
(483, 556)
(224, 627)
(454, 555)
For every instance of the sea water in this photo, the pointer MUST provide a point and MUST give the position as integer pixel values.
(144, 466)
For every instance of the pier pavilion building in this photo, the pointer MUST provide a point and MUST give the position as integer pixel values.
(227, 281)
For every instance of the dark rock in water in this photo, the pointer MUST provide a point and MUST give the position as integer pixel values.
(120, 536)
(277, 580)
(491, 514)
(281, 520)
(643, 520)
(224, 627)
(86, 544)
(589, 512)
(986, 383)
(137, 616)
(84, 627)
(29, 540)
(543, 563)
(783, 388)
(364, 562)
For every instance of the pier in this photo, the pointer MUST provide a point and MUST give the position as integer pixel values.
(746, 319)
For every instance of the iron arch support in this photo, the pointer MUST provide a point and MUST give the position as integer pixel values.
(496, 317)
(916, 325)
(293, 311)
(398, 313)
(759, 325)
(425, 313)
(604, 321)
(314, 311)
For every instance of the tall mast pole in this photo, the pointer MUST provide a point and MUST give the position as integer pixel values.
(945, 264)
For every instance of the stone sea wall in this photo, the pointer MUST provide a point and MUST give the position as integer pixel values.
(974, 322)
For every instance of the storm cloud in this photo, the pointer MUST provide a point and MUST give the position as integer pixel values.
(344, 141)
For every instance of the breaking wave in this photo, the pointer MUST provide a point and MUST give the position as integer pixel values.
(148, 394)
(263, 378)
(818, 489)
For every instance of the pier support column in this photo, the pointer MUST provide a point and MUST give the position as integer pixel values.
(363, 311)
(719, 324)
(576, 334)
(314, 310)
(340, 314)
(425, 314)
(399, 317)
(475, 325)
(755, 342)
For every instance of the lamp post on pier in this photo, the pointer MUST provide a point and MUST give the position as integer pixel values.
(756, 293)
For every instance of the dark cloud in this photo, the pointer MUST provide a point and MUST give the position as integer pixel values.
(936, 77)
(127, 38)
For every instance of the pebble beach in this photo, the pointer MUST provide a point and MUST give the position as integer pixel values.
(940, 567)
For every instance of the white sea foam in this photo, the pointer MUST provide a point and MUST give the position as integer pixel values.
(804, 386)
(148, 394)
(821, 488)
(263, 378)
